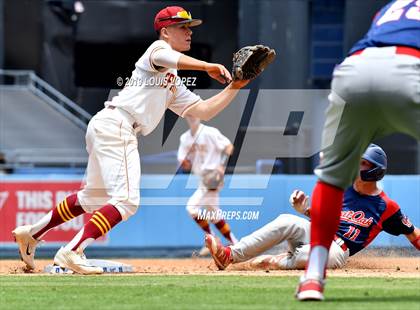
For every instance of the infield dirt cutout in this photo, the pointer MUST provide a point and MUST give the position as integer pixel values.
(359, 266)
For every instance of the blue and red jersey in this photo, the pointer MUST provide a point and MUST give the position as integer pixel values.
(396, 24)
(363, 217)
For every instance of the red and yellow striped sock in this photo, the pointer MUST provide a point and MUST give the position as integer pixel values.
(63, 212)
(203, 224)
(224, 228)
(100, 223)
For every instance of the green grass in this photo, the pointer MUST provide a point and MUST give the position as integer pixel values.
(200, 292)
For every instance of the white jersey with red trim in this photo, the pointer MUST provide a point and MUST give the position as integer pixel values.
(150, 91)
(204, 149)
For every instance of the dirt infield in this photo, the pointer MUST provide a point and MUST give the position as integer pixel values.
(361, 266)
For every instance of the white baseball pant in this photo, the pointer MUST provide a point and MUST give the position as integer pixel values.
(113, 171)
(203, 199)
(293, 229)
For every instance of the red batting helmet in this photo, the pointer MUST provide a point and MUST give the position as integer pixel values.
(172, 15)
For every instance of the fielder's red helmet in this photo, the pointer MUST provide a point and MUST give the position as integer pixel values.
(172, 15)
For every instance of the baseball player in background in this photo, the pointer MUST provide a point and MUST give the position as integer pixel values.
(377, 90)
(205, 150)
(112, 186)
(366, 211)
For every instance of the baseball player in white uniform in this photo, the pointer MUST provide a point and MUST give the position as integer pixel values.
(204, 149)
(112, 186)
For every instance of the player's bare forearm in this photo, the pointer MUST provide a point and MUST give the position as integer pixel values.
(225, 155)
(189, 63)
(414, 238)
(215, 71)
(229, 149)
(209, 108)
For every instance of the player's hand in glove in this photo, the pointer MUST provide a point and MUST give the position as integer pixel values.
(212, 179)
(250, 61)
(300, 202)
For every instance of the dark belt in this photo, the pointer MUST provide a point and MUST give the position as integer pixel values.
(401, 50)
(134, 125)
(340, 242)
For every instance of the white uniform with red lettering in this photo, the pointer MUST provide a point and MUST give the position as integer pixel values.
(113, 171)
(204, 150)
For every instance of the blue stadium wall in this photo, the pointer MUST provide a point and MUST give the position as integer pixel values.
(159, 225)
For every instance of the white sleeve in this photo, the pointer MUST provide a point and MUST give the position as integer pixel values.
(182, 150)
(220, 140)
(183, 100)
(165, 57)
(145, 61)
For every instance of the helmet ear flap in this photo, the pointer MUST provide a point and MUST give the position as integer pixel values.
(372, 175)
(377, 157)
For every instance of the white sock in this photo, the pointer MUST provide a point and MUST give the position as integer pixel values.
(41, 224)
(233, 238)
(317, 262)
(75, 240)
(85, 243)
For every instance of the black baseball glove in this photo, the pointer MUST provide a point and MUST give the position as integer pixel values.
(250, 61)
